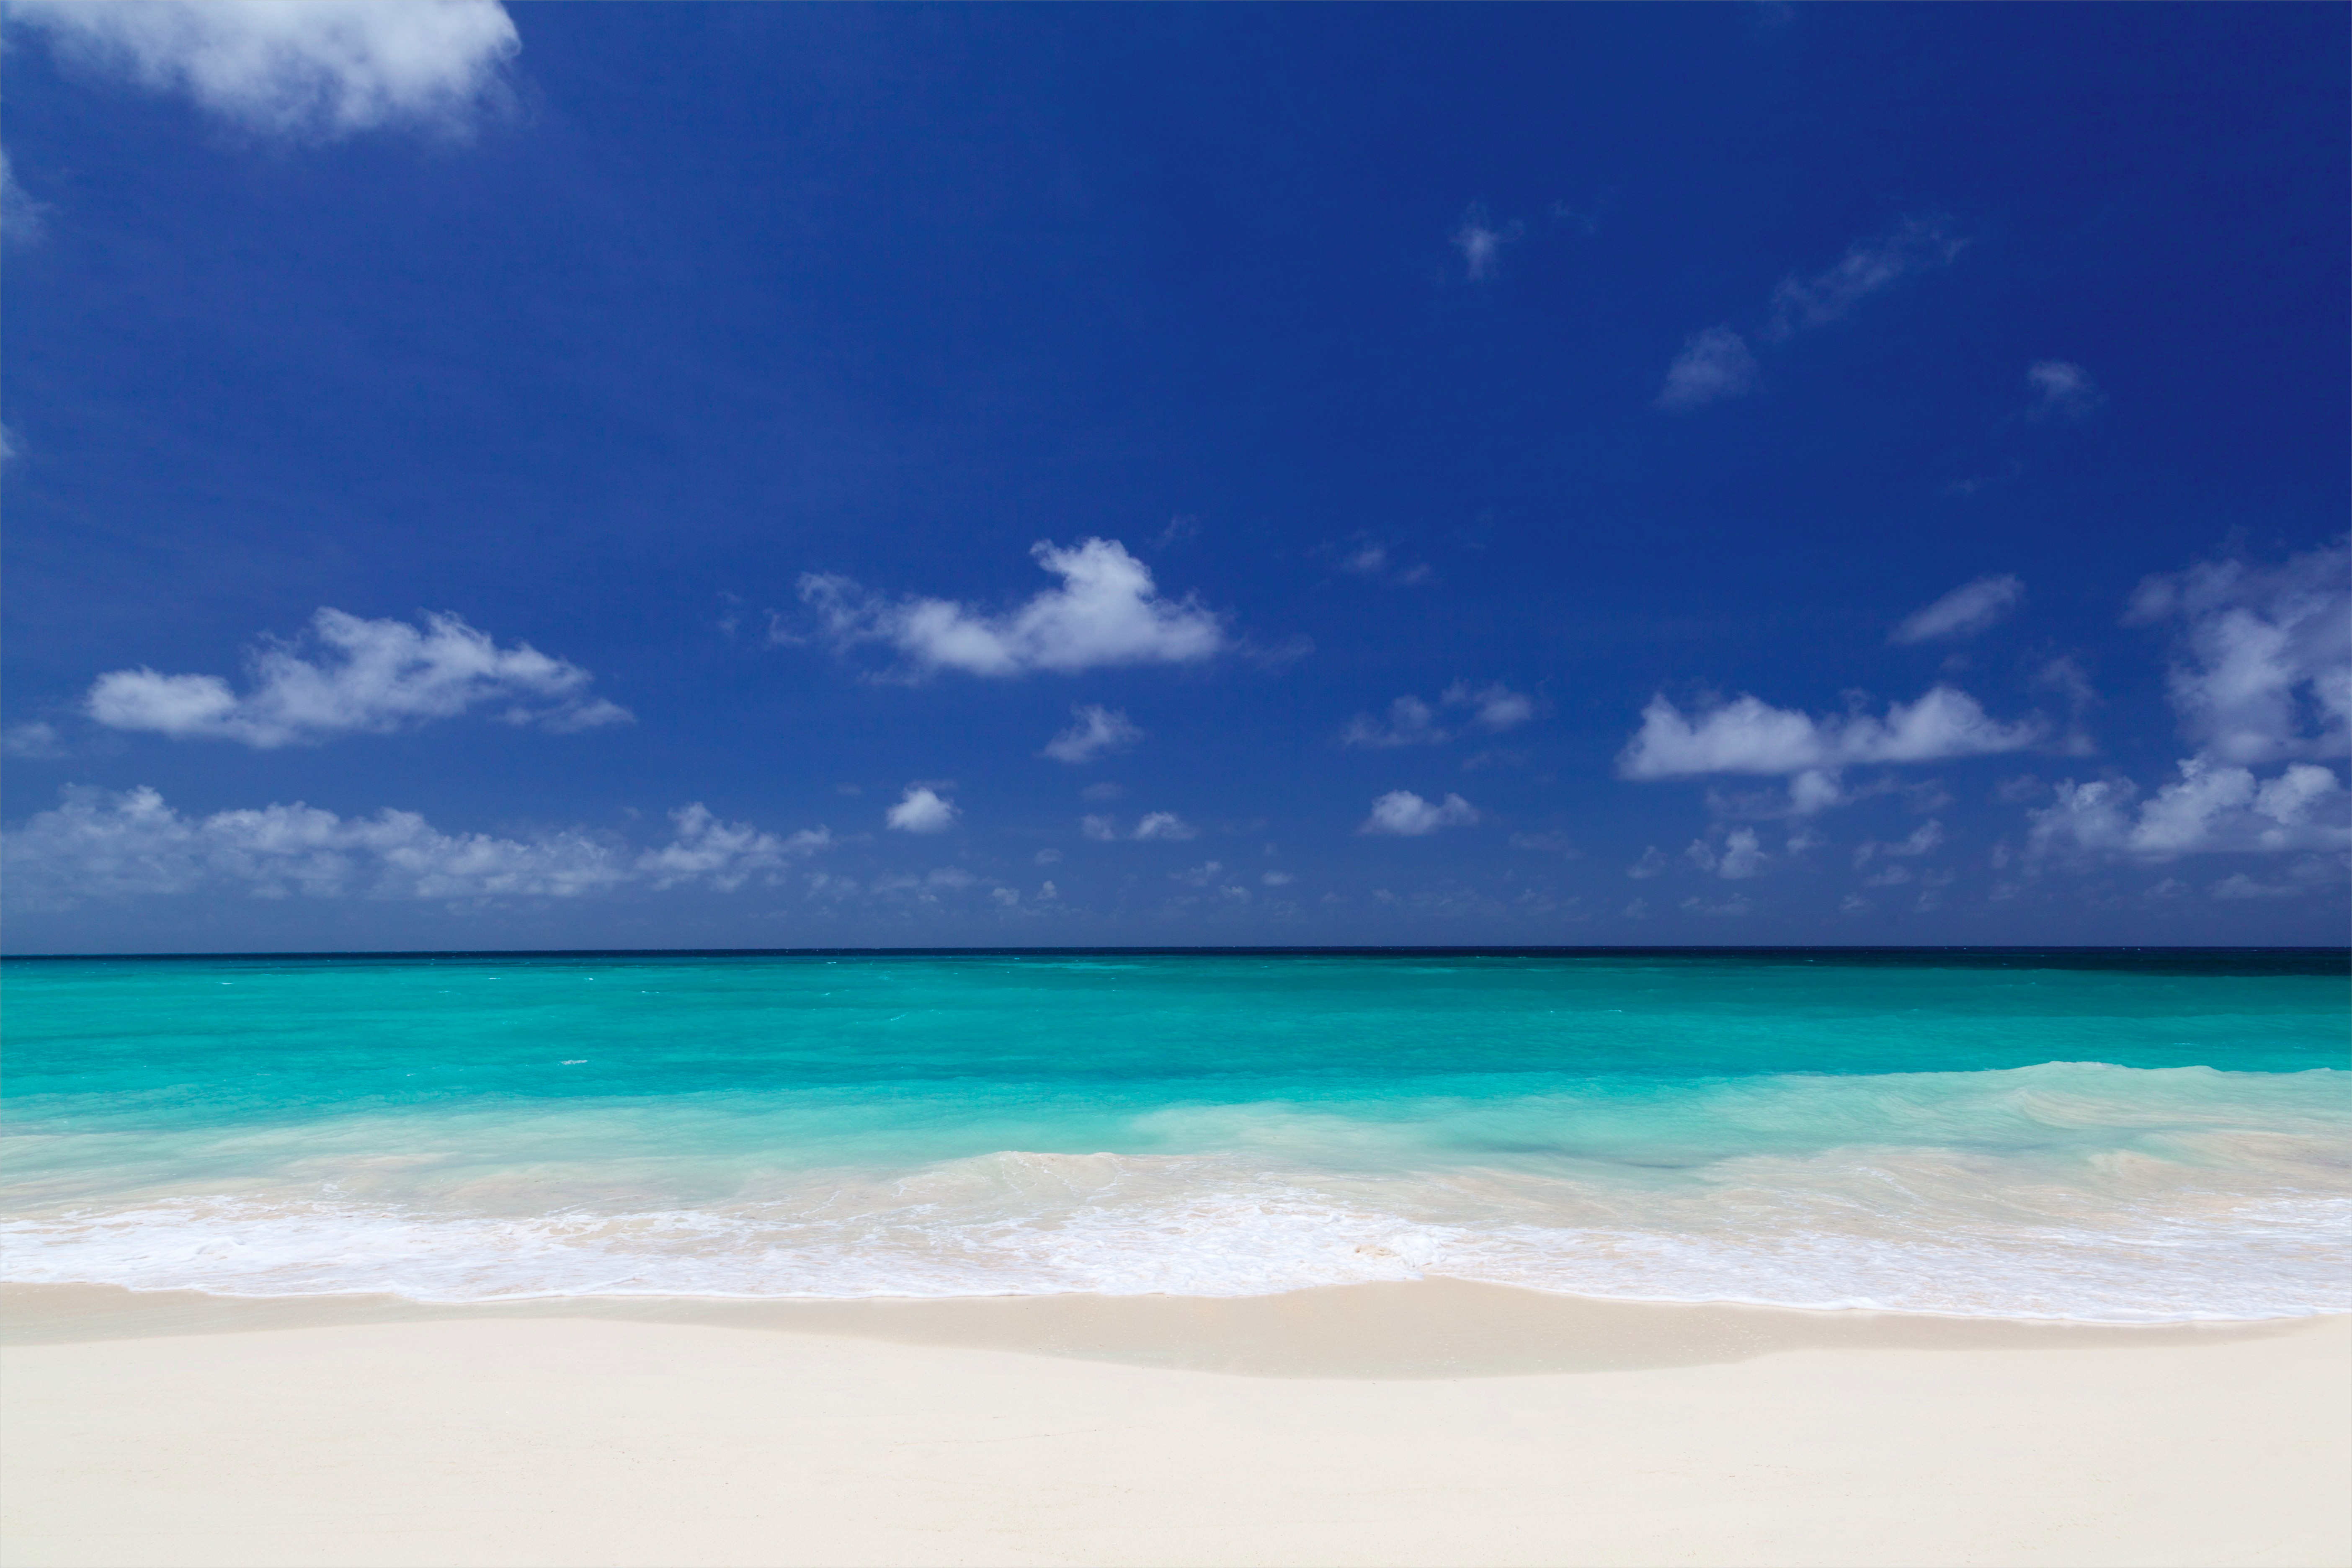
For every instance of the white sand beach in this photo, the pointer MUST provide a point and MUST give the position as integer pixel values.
(1416, 1424)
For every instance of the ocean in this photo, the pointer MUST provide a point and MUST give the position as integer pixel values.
(2111, 1136)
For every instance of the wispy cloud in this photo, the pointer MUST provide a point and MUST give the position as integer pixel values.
(2062, 390)
(371, 678)
(1106, 611)
(1411, 722)
(1480, 240)
(1163, 827)
(1098, 732)
(1717, 363)
(1713, 364)
(1377, 563)
(1869, 267)
(297, 68)
(35, 741)
(1970, 608)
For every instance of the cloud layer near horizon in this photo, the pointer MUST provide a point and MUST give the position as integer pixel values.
(102, 844)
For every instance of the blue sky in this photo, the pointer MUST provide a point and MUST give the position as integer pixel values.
(765, 476)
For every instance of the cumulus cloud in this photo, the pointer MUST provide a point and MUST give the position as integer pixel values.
(1748, 736)
(1714, 363)
(100, 843)
(372, 677)
(1869, 267)
(301, 68)
(1404, 815)
(1480, 240)
(2062, 391)
(2210, 807)
(1106, 612)
(1970, 608)
(921, 810)
(2262, 664)
(1741, 856)
(723, 853)
(1098, 732)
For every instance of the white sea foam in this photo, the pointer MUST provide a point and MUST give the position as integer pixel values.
(1021, 1223)
(2066, 1191)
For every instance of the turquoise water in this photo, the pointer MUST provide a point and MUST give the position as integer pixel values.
(2111, 1137)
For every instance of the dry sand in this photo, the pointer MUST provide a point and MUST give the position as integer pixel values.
(1418, 1424)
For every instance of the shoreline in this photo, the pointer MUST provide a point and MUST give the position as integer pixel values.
(1433, 1328)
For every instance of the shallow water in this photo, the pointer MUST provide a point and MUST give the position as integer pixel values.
(2113, 1137)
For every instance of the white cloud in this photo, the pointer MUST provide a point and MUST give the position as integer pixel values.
(374, 677)
(1481, 242)
(1747, 736)
(1199, 876)
(2062, 391)
(1101, 829)
(1098, 730)
(1868, 267)
(1714, 364)
(921, 810)
(2211, 807)
(1741, 856)
(724, 853)
(1964, 611)
(1650, 865)
(1106, 612)
(2263, 670)
(305, 68)
(1402, 814)
(1410, 722)
(100, 844)
(1277, 878)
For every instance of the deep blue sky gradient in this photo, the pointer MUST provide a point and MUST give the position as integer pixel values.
(728, 294)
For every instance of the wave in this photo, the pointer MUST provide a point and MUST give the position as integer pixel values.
(1915, 1234)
